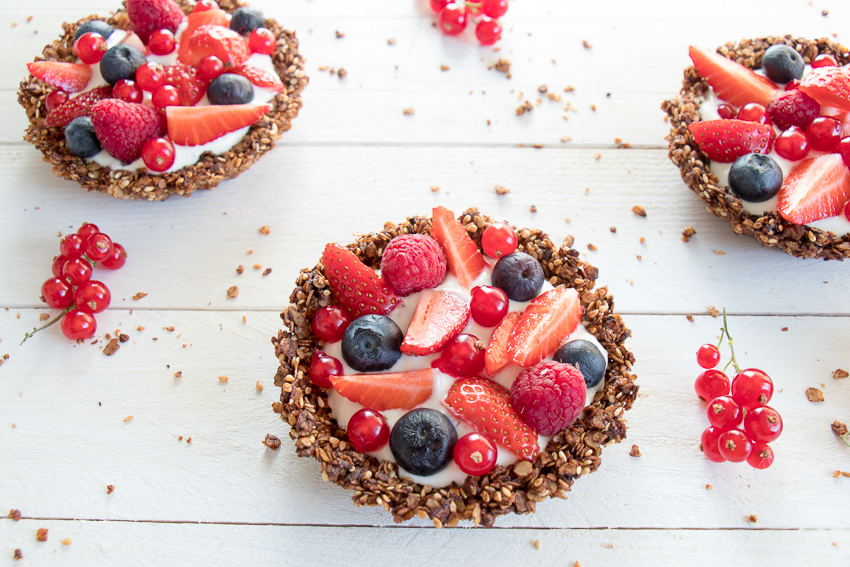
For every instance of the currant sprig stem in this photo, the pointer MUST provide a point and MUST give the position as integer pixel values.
(53, 322)
(845, 438)
(725, 330)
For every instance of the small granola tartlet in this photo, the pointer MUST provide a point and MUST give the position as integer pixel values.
(453, 368)
(760, 133)
(162, 97)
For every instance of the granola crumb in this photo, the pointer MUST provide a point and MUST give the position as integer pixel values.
(825, 12)
(639, 211)
(43, 316)
(542, 89)
(642, 240)
(111, 347)
(597, 157)
(240, 269)
(537, 544)
(265, 229)
(593, 107)
(708, 487)
(720, 252)
(339, 34)
(244, 319)
(617, 140)
(566, 138)
(586, 44)
(139, 295)
(259, 386)
(18, 553)
(613, 229)
(591, 247)
(533, 209)
(689, 318)
(258, 266)
(814, 395)
(569, 89)
(189, 440)
(109, 488)
(840, 374)
(391, 41)
(713, 311)
(837, 427)
(66, 541)
(836, 474)
(232, 292)
(577, 564)
(444, 67)
(249, 252)
(267, 271)
(523, 108)
(752, 518)
(178, 374)
(223, 378)
(41, 534)
(15, 514)
(128, 418)
(170, 329)
(434, 189)
(500, 190)
(408, 111)
(342, 73)
(123, 338)
(140, 328)
(271, 442)
(502, 66)
(639, 257)
(635, 452)
(784, 329)
(688, 233)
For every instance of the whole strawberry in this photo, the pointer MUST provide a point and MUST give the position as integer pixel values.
(549, 396)
(124, 127)
(147, 16)
(413, 262)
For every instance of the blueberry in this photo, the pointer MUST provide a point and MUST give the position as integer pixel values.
(246, 20)
(519, 275)
(121, 62)
(586, 357)
(755, 178)
(422, 441)
(80, 138)
(94, 26)
(372, 342)
(230, 89)
(782, 63)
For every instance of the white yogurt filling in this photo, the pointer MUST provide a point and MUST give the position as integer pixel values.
(343, 408)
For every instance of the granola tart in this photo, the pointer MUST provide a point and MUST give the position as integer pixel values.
(210, 169)
(516, 487)
(769, 228)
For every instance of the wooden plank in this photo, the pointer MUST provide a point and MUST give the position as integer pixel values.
(68, 404)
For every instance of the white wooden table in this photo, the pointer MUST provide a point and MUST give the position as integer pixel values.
(353, 161)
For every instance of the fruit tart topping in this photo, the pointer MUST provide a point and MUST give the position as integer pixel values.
(489, 305)
(519, 275)
(190, 86)
(371, 343)
(210, 67)
(422, 441)
(322, 368)
(222, 42)
(549, 396)
(211, 17)
(830, 86)
(755, 178)
(196, 125)
(204, 5)
(824, 60)
(70, 77)
(80, 105)
(121, 62)
(356, 286)
(413, 262)
(258, 77)
(55, 99)
(816, 188)
(162, 42)
(90, 48)
(727, 111)
(464, 259)
(498, 240)
(725, 141)
(440, 316)
(753, 112)
(148, 16)
(128, 91)
(150, 76)
(462, 356)
(368, 430)
(81, 138)
(230, 89)
(497, 356)
(782, 64)
(794, 108)
(586, 358)
(548, 320)
(402, 390)
(731, 81)
(792, 144)
(824, 133)
(164, 96)
(475, 454)
(245, 20)
(330, 322)
(123, 128)
(94, 26)
(158, 154)
(262, 40)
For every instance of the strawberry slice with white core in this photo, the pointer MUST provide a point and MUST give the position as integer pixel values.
(465, 260)
(496, 356)
(196, 125)
(440, 316)
(730, 80)
(547, 321)
(70, 77)
(816, 188)
(725, 141)
(356, 286)
(830, 86)
(381, 392)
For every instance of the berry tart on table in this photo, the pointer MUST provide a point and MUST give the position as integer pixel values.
(163, 97)
(761, 132)
(453, 368)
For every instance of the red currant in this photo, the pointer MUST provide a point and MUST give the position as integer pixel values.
(90, 48)
(763, 424)
(824, 60)
(165, 95)
(330, 322)
(92, 297)
(753, 112)
(368, 430)
(462, 356)
(494, 8)
(128, 91)
(56, 293)
(847, 210)
(475, 454)
(709, 444)
(453, 18)
(162, 42)
(723, 413)
(711, 384)
(204, 5)
(752, 388)
(792, 85)
(498, 240)
(734, 445)
(87, 230)
(58, 263)
(322, 368)
(844, 150)
(77, 271)
(210, 67)
(489, 305)
(77, 325)
(438, 5)
(98, 247)
(761, 456)
(54, 99)
(72, 246)
(708, 356)
(262, 40)
(150, 76)
(792, 144)
(824, 133)
(488, 31)
(115, 260)
(158, 154)
(727, 111)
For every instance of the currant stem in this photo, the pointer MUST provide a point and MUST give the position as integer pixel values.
(734, 361)
(845, 438)
(58, 318)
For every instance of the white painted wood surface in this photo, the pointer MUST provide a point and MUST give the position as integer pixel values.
(353, 161)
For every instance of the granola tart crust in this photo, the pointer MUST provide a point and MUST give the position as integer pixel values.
(513, 489)
(769, 229)
(210, 170)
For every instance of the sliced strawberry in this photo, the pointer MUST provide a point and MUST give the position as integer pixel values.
(464, 258)
(830, 86)
(547, 321)
(212, 17)
(404, 390)
(220, 41)
(133, 40)
(185, 79)
(80, 105)
(260, 78)
(356, 286)
(196, 125)
(486, 406)
(730, 80)
(70, 77)
(727, 140)
(497, 357)
(439, 317)
(815, 189)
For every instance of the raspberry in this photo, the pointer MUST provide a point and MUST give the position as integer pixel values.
(795, 108)
(413, 262)
(549, 396)
(124, 127)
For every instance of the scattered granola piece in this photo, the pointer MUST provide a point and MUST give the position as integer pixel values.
(784, 329)
(500, 190)
(249, 252)
(585, 43)
(323, 68)
(569, 240)
(642, 240)
(613, 229)
(689, 318)
(240, 269)
(537, 544)
(537, 146)
(593, 107)
(109, 488)
(189, 440)
(408, 111)
(523, 108)
(577, 564)
(178, 374)
(639, 257)
(342, 73)
(617, 140)
(139, 295)
(591, 247)
(639, 211)
(502, 66)
(43, 316)
(688, 233)
(720, 252)
(128, 418)
(708, 487)
(569, 89)
(837, 427)
(752, 518)
(259, 386)
(140, 328)
(41, 534)
(265, 229)
(840, 374)
(542, 89)
(533, 209)
(391, 41)
(713, 311)
(271, 442)
(232, 292)
(223, 378)
(814, 395)
(258, 266)
(339, 34)
(635, 452)
(15, 514)
(18, 553)
(434, 189)
(170, 329)
(111, 347)
(824, 12)
(444, 67)
(66, 541)
(597, 156)
(267, 271)
(566, 138)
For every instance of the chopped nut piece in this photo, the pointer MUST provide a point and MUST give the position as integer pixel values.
(223, 378)
(814, 395)
(690, 318)
(15, 514)
(784, 329)
(271, 442)
(265, 229)
(591, 247)
(642, 239)
(232, 292)
(712, 311)
(18, 553)
(169, 329)
(593, 107)
(639, 211)
(267, 271)
(840, 374)
(66, 541)
(569, 240)
(537, 544)
(41, 534)
(43, 317)
(523, 108)
(178, 374)
(444, 67)
(408, 111)
(585, 43)
(109, 488)
(128, 418)
(752, 518)
(569, 89)
(188, 440)
(240, 269)
(258, 266)
(542, 89)
(123, 338)
(342, 73)
(259, 386)
(111, 347)
(613, 229)
(434, 189)
(635, 452)
(502, 190)
(688, 233)
(140, 328)
(533, 209)
(139, 295)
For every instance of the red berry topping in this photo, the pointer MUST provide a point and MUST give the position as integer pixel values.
(56, 293)
(847, 210)
(549, 396)
(98, 247)
(77, 271)
(92, 297)
(438, 5)
(708, 356)
(792, 144)
(497, 356)
(356, 286)
(761, 456)
(727, 140)
(727, 111)
(753, 112)
(90, 48)
(816, 188)
(128, 91)
(547, 321)
(488, 31)
(262, 40)
(824, 133)
(453, 18)
(763, 424)
(711, 384)
(368, 430)
(220, 41)
(708, 441)
(440, 316)
(78, 325)
(87, 229)
(413, 262)
(210, 67)
(498, 240)
(115, 260)
(465, 261)
(730, 80)
(830, 86)
(792, 85)
(734, 446)
(489, 305)
(330, 322)
(844, 150)
(824, 60)
(165, 95)
(162, 42)
(259, 77)
(150, 76)
(196, 125)
(54, 99)
(475, 454)
(724, 413)
(462, 356)
(793, 109)
(70, 77)
(78, 106)
(323, 367)
(188, 83)
(58, 264)
(72, 246)
(196, 20)
(158, 154)
(204, 5)
(752, 388)
(148, 16)
(494, 8)
(403, 390)
(123, 127)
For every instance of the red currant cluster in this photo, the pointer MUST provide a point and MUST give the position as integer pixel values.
(454, 15)
(72, 290)
(751, 390)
